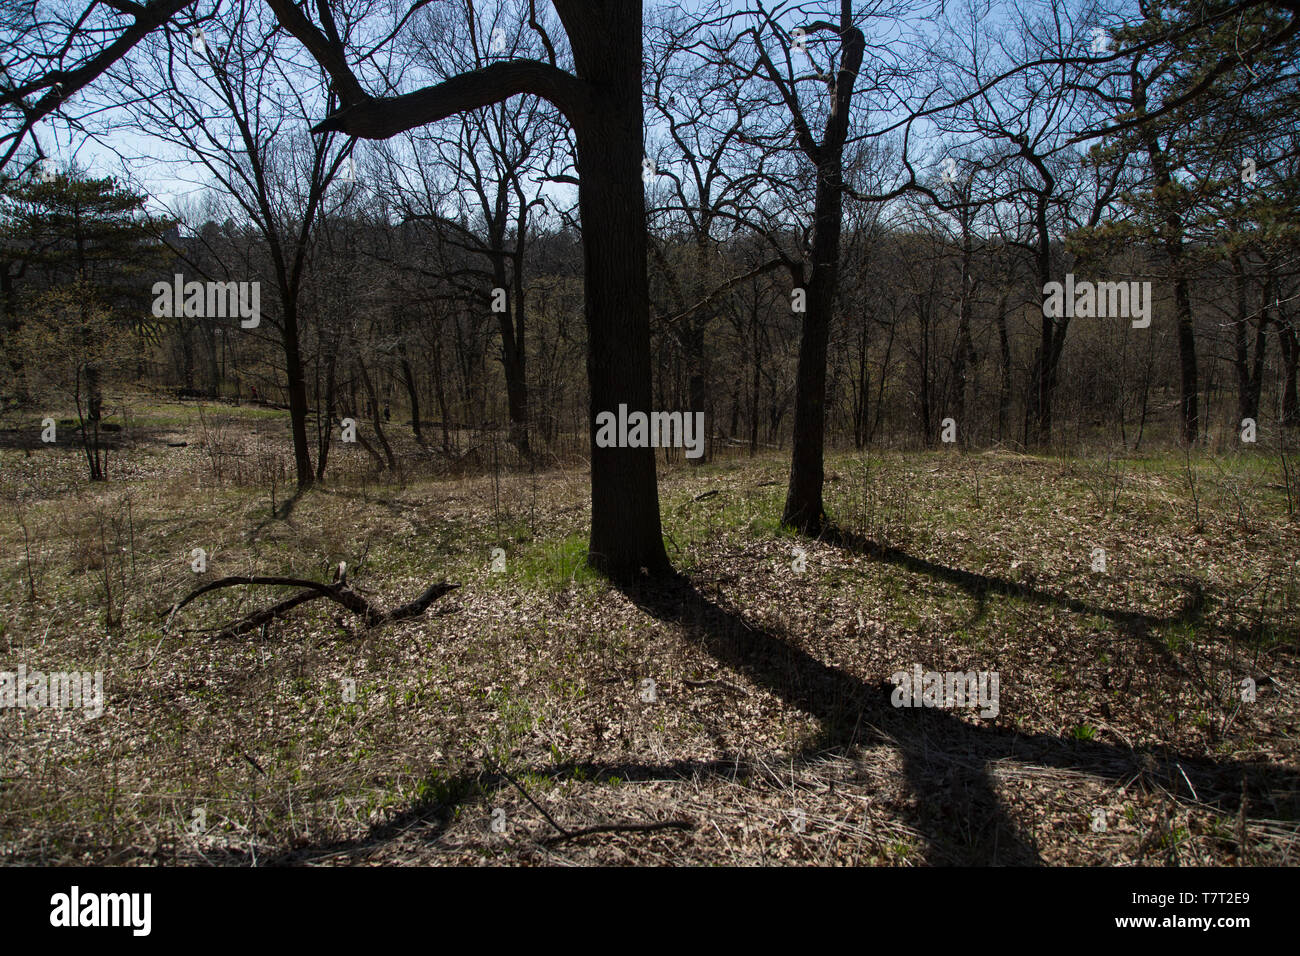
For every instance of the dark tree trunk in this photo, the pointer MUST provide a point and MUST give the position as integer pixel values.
(440, 393)
(1190, 400)
(1173, 245)
(625, 531)
(1004, 369)
(510, 323)
(1053, 329)
(604, 104)
(375, 415)
(297, 397)
(803, 501)
(697, 376)
(1290, 344)
(412, 394)
(966, 357)
(517, 400)
(325, 418)
(1249, 371)
(756, 382)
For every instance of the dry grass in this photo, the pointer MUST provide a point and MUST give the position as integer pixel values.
(771, 729)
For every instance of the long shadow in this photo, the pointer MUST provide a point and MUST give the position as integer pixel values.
(1137, 624)
(946, 760)
(956, 807)
(112, 437)
(980, 586)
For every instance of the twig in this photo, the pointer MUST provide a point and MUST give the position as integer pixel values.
(617, 827)
(585, 831)
(718, 682)
(505, 773)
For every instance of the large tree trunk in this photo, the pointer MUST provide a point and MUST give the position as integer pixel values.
(625, 532)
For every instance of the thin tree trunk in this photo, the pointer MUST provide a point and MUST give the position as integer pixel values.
(804, 509)
(297, 396)
(1290, 345)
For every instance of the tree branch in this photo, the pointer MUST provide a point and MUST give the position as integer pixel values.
(384, 117)
(339, 592)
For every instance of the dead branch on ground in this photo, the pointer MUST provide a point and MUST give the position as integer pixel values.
(338, 592)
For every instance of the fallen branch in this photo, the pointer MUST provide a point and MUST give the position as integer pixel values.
(620, 828)
(564, 834)
(337, 592)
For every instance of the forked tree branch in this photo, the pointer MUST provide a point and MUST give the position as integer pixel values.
(338, 592)
(372, 117)
(380, 118)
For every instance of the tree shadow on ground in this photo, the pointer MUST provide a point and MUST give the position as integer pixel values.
(948, 762)
(1136, 624)
(980, 586)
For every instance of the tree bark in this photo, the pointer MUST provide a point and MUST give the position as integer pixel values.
(625, 530)
(297, 396)
(804, 509)
(1290, 344)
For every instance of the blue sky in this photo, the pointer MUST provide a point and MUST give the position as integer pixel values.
(174, 181)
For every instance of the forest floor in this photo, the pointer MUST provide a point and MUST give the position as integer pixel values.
(740, 714)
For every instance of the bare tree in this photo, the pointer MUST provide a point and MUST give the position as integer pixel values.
(601, 99)
(230, 102)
